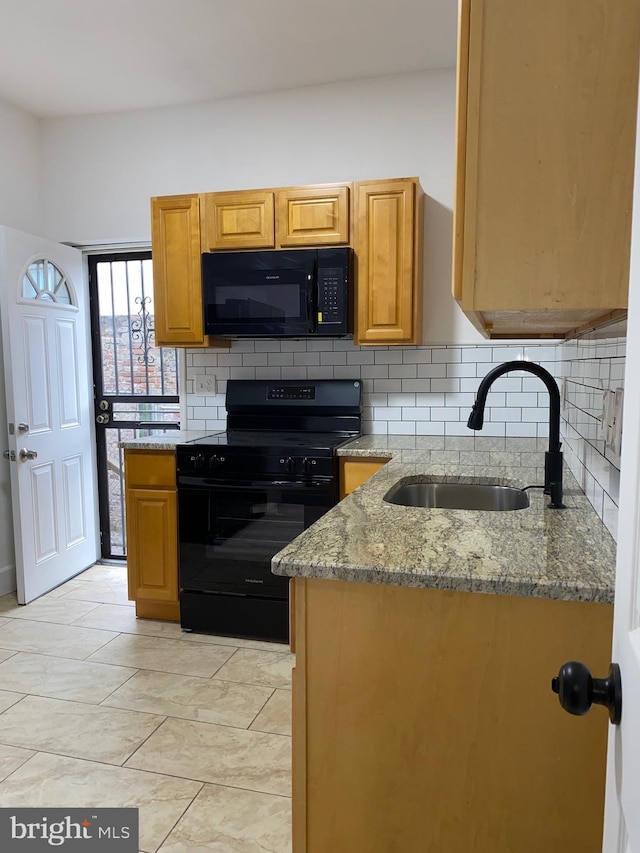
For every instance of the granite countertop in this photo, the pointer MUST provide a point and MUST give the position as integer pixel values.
(537, 552)
(166, 441)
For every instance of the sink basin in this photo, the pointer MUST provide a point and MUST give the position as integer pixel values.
(487, 497)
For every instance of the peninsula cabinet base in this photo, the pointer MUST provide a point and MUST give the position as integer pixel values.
(424, 722)
(169, 611)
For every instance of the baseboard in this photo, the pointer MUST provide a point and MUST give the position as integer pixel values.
(7, 579)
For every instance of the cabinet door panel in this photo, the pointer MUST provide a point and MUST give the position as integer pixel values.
(177, 280)
(387, 275)
(355, 472)
(242, 220)
(313, 216)
(545, 152)
(151, 544)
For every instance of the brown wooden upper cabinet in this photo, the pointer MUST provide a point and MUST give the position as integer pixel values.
(313, 216)
(388, 245)
(238, 220)
(545, 151)
(177, 278)
(385, 231)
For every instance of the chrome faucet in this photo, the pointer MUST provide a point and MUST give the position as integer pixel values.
(553, 457)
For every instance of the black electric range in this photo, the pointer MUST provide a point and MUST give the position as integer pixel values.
(245, 493)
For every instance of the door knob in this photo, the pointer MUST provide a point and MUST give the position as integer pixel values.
(27, 454)
(22, 428)
(102, 419)
(577, 690)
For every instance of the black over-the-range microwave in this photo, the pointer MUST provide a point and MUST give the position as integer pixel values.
(279, 293)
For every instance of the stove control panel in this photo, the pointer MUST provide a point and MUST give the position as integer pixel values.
(291, 392)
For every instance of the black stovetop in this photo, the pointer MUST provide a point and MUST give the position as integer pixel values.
(270, 440)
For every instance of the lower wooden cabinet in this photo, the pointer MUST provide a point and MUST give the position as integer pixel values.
(423, 720)
(356, 470)
(152, 533)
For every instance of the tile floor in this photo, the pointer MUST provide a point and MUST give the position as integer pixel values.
(98, 708)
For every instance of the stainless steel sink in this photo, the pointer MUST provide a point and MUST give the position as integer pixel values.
(487, 497)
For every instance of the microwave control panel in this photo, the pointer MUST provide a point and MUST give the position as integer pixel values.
(332, 308)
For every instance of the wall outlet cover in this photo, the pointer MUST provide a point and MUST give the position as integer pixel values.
(205, 384)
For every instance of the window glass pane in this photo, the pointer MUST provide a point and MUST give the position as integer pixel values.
(45, 282)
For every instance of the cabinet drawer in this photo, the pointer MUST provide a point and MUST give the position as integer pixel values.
(150, 468)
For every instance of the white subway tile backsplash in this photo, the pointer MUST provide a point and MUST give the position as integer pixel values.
(477, 355)
(429, 391)
(446, 355)
(333, 358)
(395, 399)
(403, 371)
(416, 413)
(389, 357)
(445, 385)
(420, 355)
(520, 399)
(445, 413)
(432, 370)
(293, 346)
(255, 358)
(465, 370)
(401, 427)
(388, 385)
(284, 359)
(229, 359)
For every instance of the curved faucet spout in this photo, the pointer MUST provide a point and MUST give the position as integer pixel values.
(553, 457)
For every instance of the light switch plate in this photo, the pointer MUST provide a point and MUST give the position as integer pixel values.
(205, 384)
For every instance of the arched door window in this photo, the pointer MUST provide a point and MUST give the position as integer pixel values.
(45, 282)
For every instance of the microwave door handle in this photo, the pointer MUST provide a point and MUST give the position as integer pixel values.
(312, 309)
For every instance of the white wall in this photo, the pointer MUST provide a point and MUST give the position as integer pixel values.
(20, 170)
(100, 171)
(20, 207)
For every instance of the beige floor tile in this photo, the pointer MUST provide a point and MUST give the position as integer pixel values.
(74, 729)
(5, 654)
(205, 699)
(101, 592)
(157, 653)
(8, 698)
(8, 602)
(62, 678)
(219, 754)
(46, 638)
(63, 589)
(110, 574)
(231, 821)
(3, 621)
(60, 610)
(249, 666)
(238, 642)
(72, 783)
(117, 617)
(12, 757)
(275, 717)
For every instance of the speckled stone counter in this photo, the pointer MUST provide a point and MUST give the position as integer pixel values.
(166, 441)
(538, 552)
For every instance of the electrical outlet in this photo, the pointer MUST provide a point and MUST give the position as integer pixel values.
(606, 419)
(205, 384)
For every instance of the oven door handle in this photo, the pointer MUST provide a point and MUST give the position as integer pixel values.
(245, 485)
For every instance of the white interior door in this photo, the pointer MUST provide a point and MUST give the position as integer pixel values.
(622, 813)
(44, 312)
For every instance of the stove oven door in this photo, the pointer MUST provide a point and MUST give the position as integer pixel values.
(229, 532)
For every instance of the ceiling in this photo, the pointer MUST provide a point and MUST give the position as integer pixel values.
(74, 57)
